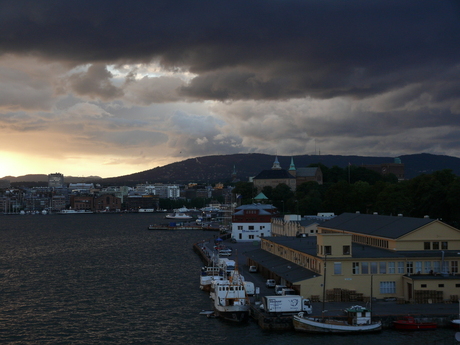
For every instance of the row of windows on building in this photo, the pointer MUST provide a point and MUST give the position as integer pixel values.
(389, 287)
(400, 267)
(251, 227)
(376, 242)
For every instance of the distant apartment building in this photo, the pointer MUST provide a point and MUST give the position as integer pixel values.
(107, 203)
(142, 201)
(163, 191)
(294, 225)
(55, 180)
(58, 202)
(82, 202)
(119, 192)
(81, 187)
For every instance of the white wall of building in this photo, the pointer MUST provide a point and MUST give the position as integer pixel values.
(250, 231)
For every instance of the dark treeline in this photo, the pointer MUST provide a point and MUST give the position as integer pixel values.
(354, 189)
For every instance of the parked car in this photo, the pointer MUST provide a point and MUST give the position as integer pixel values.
(225, 252)
(279, 289)
(270, 283)
(252, 269)
(233, 240)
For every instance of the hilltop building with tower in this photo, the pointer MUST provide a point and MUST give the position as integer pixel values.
(292, 177)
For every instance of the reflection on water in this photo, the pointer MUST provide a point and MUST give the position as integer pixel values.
(94, 279)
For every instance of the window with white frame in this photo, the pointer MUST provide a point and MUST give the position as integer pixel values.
(391, 268)
(387, 287)
(355, 268)
(454, 267)
(437, 266)
(427, 267)
(365, 268)
(240, 227)
(337, 268)
(382, 267)
(410, 267)
(418, 267)
(445, 266)
(400, 267)
(373, 268)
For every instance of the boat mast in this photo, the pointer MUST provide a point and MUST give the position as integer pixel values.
(324, 282)
(370, 303)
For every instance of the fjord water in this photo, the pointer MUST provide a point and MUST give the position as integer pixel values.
(106, 279)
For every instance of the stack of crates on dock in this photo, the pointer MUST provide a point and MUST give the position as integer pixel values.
(428, 296)
(343, 295)
(315, 298)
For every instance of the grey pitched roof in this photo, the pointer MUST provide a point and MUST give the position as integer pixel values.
(286, 269)
(376, 225)
(273, 174)
(304, 172)
(308, 246)
(261, 207)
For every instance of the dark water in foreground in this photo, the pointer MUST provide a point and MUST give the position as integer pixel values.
(106, 279)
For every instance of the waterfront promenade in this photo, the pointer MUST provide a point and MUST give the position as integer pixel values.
(386, 311)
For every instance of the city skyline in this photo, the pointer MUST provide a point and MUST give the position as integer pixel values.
(111, 88)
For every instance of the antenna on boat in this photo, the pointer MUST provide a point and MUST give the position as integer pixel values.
(324, 282)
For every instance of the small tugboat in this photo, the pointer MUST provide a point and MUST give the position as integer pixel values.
(409, 323)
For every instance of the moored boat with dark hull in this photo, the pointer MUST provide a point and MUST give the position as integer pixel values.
(230, 300)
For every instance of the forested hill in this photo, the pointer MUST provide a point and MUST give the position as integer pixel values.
(219, 168)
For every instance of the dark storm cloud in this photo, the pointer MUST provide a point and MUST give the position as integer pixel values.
(95, 82)
(269, 49)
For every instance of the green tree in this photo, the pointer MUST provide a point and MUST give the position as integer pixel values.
(337, 198)
(246, 190)
(362, 197)
(393, 200)
(268, 191)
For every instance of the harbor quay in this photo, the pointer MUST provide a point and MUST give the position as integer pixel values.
(385, 310)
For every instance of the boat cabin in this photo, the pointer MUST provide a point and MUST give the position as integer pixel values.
(358, 315)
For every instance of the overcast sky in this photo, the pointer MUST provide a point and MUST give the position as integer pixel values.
(109, 87)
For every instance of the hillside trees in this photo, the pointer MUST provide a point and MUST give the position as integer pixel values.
(436, 195)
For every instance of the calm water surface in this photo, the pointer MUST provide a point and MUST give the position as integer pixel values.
(106, 279)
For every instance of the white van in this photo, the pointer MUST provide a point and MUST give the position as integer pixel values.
(287, 292)
(249, 287)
